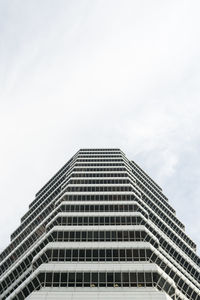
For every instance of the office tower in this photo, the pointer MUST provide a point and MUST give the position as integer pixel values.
(101, 228)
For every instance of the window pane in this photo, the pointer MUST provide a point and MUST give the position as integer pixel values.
(86, 279)
(125, 278)
(118, 278)
(63, 279)
(79, 279)
(71, 279)
(102, 277)
(82, 254)
(95, 278)
(102, 254)
(110, 280)
(140, 277)
(133, 279)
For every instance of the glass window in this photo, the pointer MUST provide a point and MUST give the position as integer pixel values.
(94, 278)
(108, 255)
(142, 254)
(79, 279)
(102, 279)
(49, 279)
(101, 236)
(110, 280)
(118, 279)
(78, 235)
(108, 235)
(119, 235)
(56, 279)
(71, 235)
(140, 277)
(63, 280)
(106, 220)
(68, 254)
(102, 255)
(125, 278)
(137, 234)
(113, 236)
(88, 255)
(86, 279)
(135, 255)
(117, 220)
(89, 236)
(129, 254)
(96, 234)
(126, 237)
(122, 254)
(82, 254)
(83, 236)
(60, 236)
(133, 279)
(62, 255)
(95, 254)
(71, 279)
(75, 254)
(66, 234)
(115, 255)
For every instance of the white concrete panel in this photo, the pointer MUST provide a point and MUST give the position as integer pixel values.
(99, 294)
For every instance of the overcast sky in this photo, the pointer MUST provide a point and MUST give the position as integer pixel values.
(77, 74)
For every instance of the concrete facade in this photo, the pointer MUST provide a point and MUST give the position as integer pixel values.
(101, 228)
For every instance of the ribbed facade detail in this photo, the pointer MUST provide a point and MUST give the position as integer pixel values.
(101, 228)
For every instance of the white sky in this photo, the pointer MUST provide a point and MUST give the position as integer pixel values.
(77, 74)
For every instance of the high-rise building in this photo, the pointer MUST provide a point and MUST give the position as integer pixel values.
(101, 228)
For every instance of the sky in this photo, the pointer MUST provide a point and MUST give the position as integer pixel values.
(96, 73)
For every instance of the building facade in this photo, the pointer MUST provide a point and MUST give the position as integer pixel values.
(101, 228)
